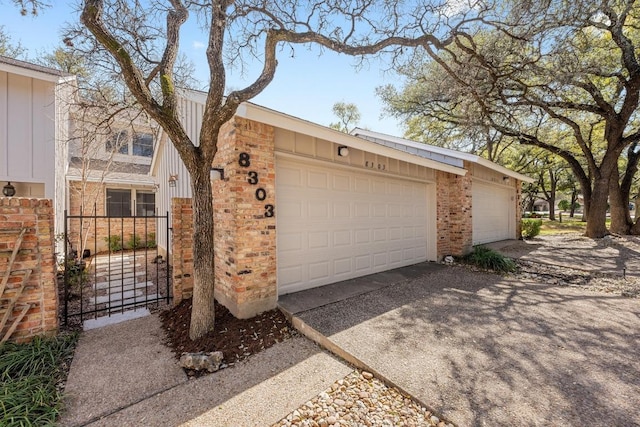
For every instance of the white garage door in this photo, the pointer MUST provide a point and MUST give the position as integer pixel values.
(493, 213)
(337, 224)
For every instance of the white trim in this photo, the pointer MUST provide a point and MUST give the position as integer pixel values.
(270, 117)
(38, 75)
(445, 152)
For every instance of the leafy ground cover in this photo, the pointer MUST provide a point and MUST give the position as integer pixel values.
(32, 379)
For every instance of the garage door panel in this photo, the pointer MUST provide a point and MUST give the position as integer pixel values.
(341, 182)
(317, 180)
(357, 225)
(318, 240)
(341, 238)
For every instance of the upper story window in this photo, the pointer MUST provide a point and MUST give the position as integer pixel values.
(118, 142)
(138, 144)
(143, 144)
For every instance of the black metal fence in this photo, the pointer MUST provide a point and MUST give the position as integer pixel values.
(113, 264)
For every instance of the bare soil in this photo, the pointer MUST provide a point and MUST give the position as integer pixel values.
(237, 339)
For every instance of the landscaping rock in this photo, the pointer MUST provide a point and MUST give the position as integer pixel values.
(202, 361)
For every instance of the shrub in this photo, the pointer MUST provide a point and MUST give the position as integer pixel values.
(151, 240)
(134, 242)
(489, 259)
(114, 242)
(531, 228)
(564, 205)
(30, 378)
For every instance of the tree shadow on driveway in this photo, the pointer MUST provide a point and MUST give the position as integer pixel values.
(485, 350)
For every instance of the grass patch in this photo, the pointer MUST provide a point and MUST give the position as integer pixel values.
(29, 378)
(568, 225)
(489, 259)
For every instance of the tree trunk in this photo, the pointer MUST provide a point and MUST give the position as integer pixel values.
(620, 216)
(202, 312)
(574, 199)
(596, 213)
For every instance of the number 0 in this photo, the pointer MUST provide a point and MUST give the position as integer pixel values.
(261, 194)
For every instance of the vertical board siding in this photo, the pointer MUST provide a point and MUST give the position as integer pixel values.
(27, 130)
(4, 128)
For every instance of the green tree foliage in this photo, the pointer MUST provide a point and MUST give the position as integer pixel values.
(348, 116)
(560, 76)
(8, 48)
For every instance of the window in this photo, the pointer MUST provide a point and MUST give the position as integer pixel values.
(143, 145)
(145, 204)
(118, 143)
(118, 202)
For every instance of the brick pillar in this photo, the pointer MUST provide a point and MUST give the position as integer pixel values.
(182, 248)
(454, 207)
(36, 254)
(244, 204)
(518, 203)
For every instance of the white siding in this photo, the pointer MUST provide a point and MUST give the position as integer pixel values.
(27, 131)
(169, 163)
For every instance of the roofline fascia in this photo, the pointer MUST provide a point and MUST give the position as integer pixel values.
(473, 158)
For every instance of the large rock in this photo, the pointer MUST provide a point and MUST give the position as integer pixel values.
(202, 361)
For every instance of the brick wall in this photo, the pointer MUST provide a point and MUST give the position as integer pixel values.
(245, 235)
(36, 254)
(245, 239)
(94, 232)
(182, 248)
(454, 214)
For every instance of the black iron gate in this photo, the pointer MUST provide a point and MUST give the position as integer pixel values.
(113, 264)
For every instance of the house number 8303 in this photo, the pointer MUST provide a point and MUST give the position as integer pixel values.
(244, 160)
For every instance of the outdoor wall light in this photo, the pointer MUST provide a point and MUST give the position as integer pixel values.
(172, 180)
(9, 190)
(216, 174)
(343, 151)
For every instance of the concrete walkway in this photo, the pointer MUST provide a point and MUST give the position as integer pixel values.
(122, 375)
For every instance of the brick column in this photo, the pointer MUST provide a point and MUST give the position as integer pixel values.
(36, 253)
(455, 221)
(182, 248)
(518, 201)
(245, 235)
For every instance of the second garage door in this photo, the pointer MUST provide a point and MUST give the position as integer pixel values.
(337, 224)
(493, 213)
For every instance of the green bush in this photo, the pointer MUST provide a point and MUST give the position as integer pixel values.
(531, 228)
(29, 376)
(489, 259)
(151, 240)
(114, 242)
(134, 242)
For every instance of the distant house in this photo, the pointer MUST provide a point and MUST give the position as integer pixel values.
(34, 119)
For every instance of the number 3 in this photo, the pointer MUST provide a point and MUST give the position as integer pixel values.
(269, 211)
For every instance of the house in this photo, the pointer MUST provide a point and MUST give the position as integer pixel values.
(302, 205)
(34, 123)
(108, 180)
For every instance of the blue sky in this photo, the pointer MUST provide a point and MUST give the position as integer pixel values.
(305, 86)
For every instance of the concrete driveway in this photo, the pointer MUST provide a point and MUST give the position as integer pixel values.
(483, 350)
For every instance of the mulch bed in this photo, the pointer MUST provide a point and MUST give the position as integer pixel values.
(237, 339)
